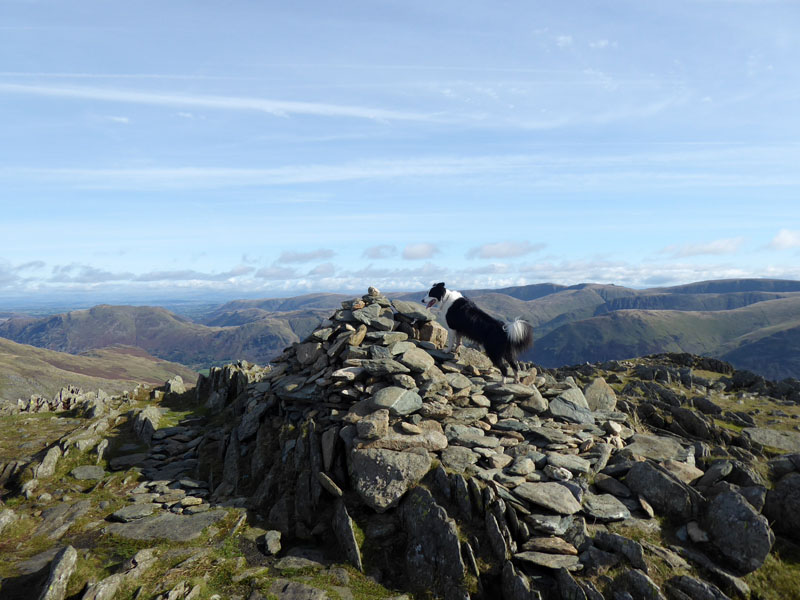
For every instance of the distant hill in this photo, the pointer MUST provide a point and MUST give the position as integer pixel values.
(750, 322)
(26, 370)
(161, 333)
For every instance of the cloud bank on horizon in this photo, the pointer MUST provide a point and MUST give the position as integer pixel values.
(176, 149)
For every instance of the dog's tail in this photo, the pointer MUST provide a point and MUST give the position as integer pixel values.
(519, 334)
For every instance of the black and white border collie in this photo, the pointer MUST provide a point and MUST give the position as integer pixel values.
(502, 341)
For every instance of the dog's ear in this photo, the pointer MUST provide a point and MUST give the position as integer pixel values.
(439, 284)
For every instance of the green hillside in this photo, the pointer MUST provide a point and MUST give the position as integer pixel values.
(26, 370)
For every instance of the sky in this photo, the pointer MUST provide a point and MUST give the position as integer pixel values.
(189, 149)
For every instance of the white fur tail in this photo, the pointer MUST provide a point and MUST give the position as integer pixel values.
(520, 334)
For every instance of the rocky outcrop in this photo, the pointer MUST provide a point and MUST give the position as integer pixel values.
(529, 474)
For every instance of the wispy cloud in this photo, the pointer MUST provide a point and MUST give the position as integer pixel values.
(504, 250)
(191, 275)
(380, 252)
(77, 273)
(717, 247)
(304, 257)
(785, 239)
(269, 106)
(419, 251)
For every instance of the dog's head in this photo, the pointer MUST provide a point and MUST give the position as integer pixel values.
(435, 294)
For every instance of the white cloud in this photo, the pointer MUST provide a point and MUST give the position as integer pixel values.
(419, 251)
(504, 250)
(381, 251)
(562, 41)
(303, 257)
(275, 273)
(785, 239)
(269, 106)
(323, 270)
(724, 246)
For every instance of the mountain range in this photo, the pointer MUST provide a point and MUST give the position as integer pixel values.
(752, 323)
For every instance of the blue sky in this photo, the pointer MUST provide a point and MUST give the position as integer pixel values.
(171, 149)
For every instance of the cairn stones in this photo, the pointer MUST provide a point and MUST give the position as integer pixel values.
(381, 477)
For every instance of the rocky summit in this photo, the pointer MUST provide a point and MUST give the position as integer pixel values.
(368, 462)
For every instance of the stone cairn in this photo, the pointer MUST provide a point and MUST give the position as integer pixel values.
(435, 475)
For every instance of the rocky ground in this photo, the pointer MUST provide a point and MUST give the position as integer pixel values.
(368, 462)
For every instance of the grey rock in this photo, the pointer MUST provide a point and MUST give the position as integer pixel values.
(666, 493)
(782, 505)
(383, 366)
(618, 544)
(568, 588)
(251, 421)
(7, 517)
(552, 496)
(48, 464)
(515, 585)
(132, 512)
(573, 463)
(738, 532)
(684, 587)
(574, 396)
(604, 508)
(57, 520)
(600, 396)
(88, 472)
(458, 458)
(145, 423)
(413, 310)
(398, 400)
(63, 565)
(345, 535)
(374, 425)
(417, 360)
(105, 589)
(272, 542)
(549, 561)
(169, 526)
(638, 585)
(653, 446)
(564, 408)
(788, 441)
(381, 477)
(718, 470)
(283, 589)
(611, 485)
(126, 461)
(433, 550)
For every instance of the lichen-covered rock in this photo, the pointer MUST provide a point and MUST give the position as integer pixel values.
(738, 532)
(381, 477)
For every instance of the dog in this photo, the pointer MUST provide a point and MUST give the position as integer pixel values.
(503, 342)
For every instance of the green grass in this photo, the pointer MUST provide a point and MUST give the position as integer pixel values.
(778, 578)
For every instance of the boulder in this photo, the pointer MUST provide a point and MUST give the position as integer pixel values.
(782, 506)
(600, 396)
(739, 533)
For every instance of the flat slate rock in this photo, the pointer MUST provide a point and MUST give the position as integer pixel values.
(549, 561)
(132, 512)
(550, 495)
(169, 526)
(413, 310)
(88, 473)
(604, 508)
(783, 440)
